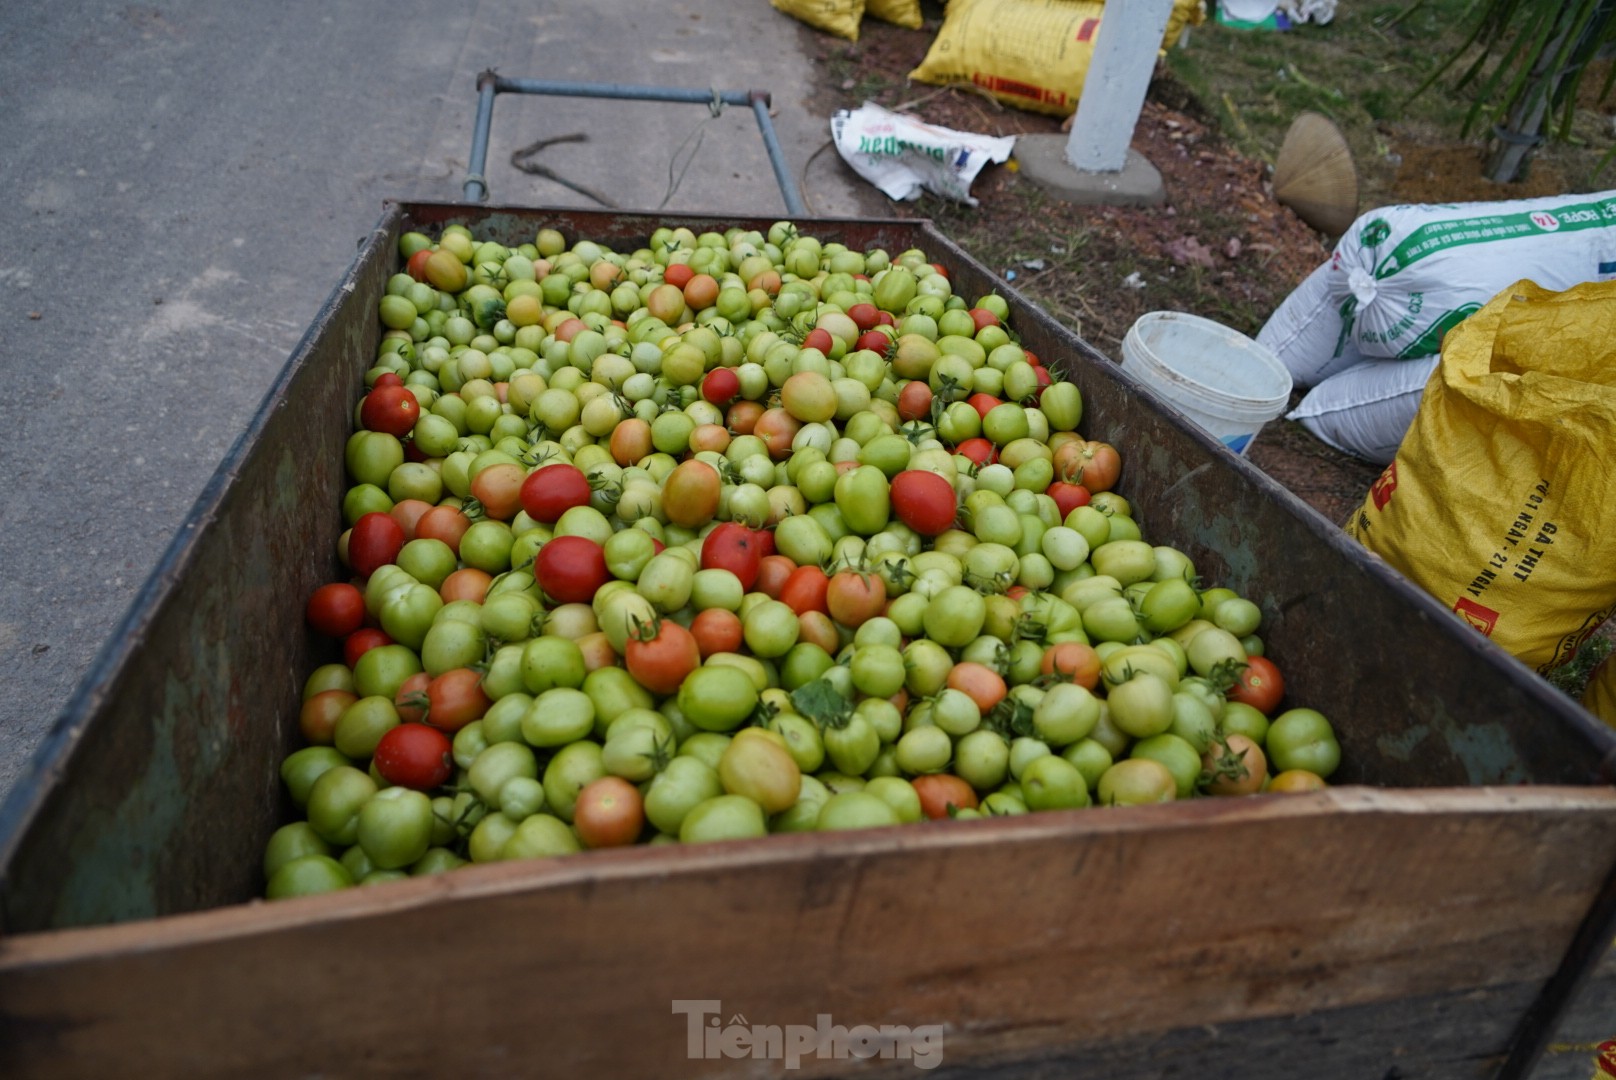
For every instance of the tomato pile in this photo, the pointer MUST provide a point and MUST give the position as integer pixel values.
(733, 534)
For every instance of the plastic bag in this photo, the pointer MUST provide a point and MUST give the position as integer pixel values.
(1501, 498)
(1032, 54)
(903, 156)
(839, 17)
(1406, 275)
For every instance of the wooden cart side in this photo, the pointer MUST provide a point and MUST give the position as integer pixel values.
(1022, 939)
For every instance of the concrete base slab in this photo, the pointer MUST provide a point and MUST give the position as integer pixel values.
(1043, 160)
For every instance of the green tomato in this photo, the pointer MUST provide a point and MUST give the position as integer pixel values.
(308, 875)
(1303, 739)
(395, 827)
(335, 801)
(723, 817)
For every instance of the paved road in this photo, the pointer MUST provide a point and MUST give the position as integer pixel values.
(186, 181)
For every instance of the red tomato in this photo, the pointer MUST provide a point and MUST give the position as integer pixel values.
(773, 570)
(983, 403)
(854, 598)
(336, 610)
(416, 266)
(864, 316)
(660, 660)
(979, 450)
(940, 791)
(924, 501)
(678, 274)
(716, 631)
(446, 523)
(374, 542)
(940, 268)
(570, 568)
(720, 386)
(1260, 686)
(361, 641)
(1068, 496)
(552, 490)
(765, 542)
(978, 682)
(733, 547)
(414, 756)
(819, 338)
(392, 409)
(804, 590)
(388, 378)
(914, 400)
(411, 701)
(875, 340)
(609, 812)
(982, 317)
(407, 512)
(455, 698)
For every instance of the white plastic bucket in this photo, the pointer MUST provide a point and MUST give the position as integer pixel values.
(1225, 382)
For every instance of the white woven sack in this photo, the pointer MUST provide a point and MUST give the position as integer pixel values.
(1365, 410)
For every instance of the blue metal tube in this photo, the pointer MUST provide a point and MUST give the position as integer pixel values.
(777, 157)
(476, 182)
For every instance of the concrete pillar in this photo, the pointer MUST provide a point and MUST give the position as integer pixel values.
(1094, 163)
(1125, 49)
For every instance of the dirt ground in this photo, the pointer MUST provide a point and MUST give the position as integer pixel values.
(1222, 247)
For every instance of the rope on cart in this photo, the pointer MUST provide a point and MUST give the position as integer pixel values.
(520, 159)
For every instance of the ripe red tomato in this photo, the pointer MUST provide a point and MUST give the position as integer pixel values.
(720, 386)
(939, 791)
(336, 610)
(1068, 496)
(875, 340)
(414, 756)
(374, 542)
(980, 450)
(570, 568)
(392, 409)
(864, 316)
(914, 400)
(773, 571)
(1261, 685)
(924, 501)
(819, 338)
(552, 490)
(361, 641)
(660, 660)
(733, 547)
(455, 698)
(388, 378)
(983, 403)
(678, 274)
(804, 590)
(982, 317)
(717, 630)
(416, 266)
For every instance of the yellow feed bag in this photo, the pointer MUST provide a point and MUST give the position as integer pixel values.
(1032, 54)
(1501, 500)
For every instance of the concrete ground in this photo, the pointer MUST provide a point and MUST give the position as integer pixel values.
(186, 181)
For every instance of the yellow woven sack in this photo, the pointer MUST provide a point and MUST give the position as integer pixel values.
(1599, 696)
(1032, 54)
(839, 17)
(1501, 501)
(905, 13)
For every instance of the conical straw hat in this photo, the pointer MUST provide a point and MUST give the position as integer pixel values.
(1315, 176)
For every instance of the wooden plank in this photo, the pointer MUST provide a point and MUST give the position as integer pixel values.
(1020, 938)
